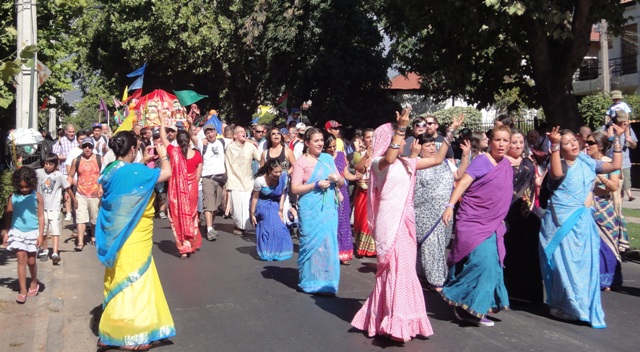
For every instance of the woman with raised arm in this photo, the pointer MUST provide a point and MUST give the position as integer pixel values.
(135, 311)
(475, 285)
(569, 239)
(395, 308)
(433, 189)
(315, 180)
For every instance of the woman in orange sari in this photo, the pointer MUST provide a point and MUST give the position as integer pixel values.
(186, 168)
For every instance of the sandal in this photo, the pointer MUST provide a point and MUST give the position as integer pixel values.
(34, 292)
(21, 299)
(79, 248)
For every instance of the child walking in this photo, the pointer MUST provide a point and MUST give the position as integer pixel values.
(50, 183)
(24, 225)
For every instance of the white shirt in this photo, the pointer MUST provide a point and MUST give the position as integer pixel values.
(212, 158)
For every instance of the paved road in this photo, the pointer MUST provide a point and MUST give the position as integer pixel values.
(224, 299)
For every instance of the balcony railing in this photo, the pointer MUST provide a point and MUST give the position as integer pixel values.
(592, 69)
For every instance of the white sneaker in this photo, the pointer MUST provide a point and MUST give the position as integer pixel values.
(162, 215)
(67, 217)
(56, 258)
(43, 253)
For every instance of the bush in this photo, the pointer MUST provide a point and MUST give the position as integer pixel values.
(5, 190)
(593, 109)
(472, 116)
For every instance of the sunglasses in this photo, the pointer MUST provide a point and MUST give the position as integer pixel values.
(85, 146)
(420, 124)
(275, 133)
(590, 143)
(261, 131)
(169, 130)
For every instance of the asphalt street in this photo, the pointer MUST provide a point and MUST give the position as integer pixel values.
(224, 298)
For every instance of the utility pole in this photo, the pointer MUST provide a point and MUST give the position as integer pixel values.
(604, 58)
(27, 86)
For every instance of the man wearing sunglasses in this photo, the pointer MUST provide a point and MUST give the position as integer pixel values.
(87, 166)
(429, 125)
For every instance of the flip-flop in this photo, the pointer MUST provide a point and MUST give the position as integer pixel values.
(145, 347)
(79, 248)
(34, 292)
(21, 299)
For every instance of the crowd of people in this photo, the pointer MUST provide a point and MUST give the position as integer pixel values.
(520, 213)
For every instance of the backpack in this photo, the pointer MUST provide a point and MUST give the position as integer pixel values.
(98, 159)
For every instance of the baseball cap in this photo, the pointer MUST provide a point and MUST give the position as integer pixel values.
(301, 126)
(331, 124)
(96, 125)
(87, 140)
(295, 111)
(180, 125)
(209, 126)
(284, 131)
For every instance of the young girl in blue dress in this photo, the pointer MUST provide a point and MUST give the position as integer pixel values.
(23, 230)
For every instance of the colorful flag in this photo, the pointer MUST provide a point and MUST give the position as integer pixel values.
(44, 103)
(137, 84)
(135, 95)
(188, 97)
(213, 119)
(117, 103)
(103, 106)
(125, 94)
(138, 72)
(282, 101)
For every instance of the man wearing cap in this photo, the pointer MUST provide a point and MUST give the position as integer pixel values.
(238, 158)
(618, 104)
(333, 127)
(295, 116)
(213, 175)
(296, 144)
(628, 141)
(285, 136)
(88, 166)
(171, 131)
(100, 141)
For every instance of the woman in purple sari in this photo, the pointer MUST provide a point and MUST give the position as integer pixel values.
(345, 235)
(475, 285)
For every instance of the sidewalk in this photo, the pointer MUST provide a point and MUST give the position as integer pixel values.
(49, 321)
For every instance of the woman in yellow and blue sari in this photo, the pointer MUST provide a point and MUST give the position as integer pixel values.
(315, 179)
(135, 311)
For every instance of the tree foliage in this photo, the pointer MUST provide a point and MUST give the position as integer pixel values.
(474, 49)
(243, 53)
(54, 47)
(472, 116)
(593, 108)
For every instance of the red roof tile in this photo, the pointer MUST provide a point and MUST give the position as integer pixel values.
(412, 81)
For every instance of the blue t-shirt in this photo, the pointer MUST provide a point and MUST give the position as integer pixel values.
(25, 212)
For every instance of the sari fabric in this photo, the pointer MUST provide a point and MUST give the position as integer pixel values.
(570, 246)
(135, 311)
(365, 244)
(183, 204)
(476, 278)
(396, 305)
(272, 236)
(318, 263)
(345, 236)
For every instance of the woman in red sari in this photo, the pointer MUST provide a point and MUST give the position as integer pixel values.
(186, 168)
(365, 244)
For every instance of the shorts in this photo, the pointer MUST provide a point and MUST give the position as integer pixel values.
(211, 195)
(87, 209)
(52, 222)
(626, 179)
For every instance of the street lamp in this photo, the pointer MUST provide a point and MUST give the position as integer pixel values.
(26, 88)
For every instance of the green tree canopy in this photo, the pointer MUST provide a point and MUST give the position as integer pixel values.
(473, 49)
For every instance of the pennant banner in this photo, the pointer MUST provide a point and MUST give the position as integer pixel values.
(137, 84)
(188, 97)
(138, 72)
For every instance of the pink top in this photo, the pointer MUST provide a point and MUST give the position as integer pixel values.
(302, 170)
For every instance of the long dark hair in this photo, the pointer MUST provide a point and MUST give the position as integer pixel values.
(269, 145)
(26, 175)
(268, 166)
(184, 141)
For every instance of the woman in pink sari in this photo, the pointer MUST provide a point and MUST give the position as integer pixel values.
(395, 308)
(186, 168)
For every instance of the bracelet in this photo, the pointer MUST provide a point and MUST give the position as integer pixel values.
(617, 151)
(402, 129)
(449, 205)
(164, 158)
(555, 147)
(394, 146)
(316, 186)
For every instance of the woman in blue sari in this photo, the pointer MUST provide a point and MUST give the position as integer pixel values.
(267, 202)
(135, 311)
(315, 179)
(569, 239)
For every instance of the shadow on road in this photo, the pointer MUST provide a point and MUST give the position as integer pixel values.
(168, 247)
(368, 268)
(343, 308)
(96, 315)
(285, 276)
(250, 250)
(632, 291)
